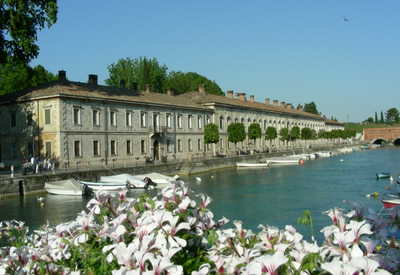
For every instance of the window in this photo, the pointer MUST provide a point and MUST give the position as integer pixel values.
(77, 148)
(190, 118)
(208, 120)
(180, 121)
(47, 116)
(128, 147)
(30, 149)
(265, 124)
(96, 148)
(143, 119)
(199, 145)
(156, 121)
(200, 122)
(13, 118)
(113, 148)
(29, 119)
(221, 122)
(113, 118)
(236, 120)
(77, 116)
(142, 147)
(169, 124)
(128, 119)
(179, 145)
(96, 118)
(169, 146)
(48, 149)
(190, 145)
(221, 143)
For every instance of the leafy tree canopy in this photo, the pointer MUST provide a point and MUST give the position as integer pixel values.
(19, 76)
(271, 133)
(142, 71)
(284, 134)
(181, 82)
(254, 131)
(137, 73)
(236, 132)
(306, 133)
(295, 133)
(19, 23)
(311, 108)
(211, 134)
(392, 115)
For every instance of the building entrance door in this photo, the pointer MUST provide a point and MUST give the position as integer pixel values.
(156, 150)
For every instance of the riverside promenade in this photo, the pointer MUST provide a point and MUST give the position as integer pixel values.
(21, 185)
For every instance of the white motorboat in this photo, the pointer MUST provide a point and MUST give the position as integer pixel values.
(65, 187)
(286, 161)
(323, 154)
(104, 186)
(125, 180)
(251, 165)
(160, 180)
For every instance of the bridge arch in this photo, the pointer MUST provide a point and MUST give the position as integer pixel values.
(396, 141)
(379, 141)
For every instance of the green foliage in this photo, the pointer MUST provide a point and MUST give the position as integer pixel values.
(181, 82)
(306, 133)
(306, 219)
(138, 72)
(18, 76)
(236, 132)
(370, 120)
(211, 134)
(347, 133)
(382, 119)
(284, 134)
(376, 117)
(271, 133)
(294, 133)
(392, 115)
(254, 131)
(19, 23)
(311, 108)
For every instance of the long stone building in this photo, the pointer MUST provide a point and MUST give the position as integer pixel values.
(87, 124)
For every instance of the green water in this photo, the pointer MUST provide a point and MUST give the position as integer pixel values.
(275, 196)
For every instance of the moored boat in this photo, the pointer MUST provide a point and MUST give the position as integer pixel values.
(104, 186)
(286, 161)
(69, 187)
(250, 165)
(390, 203)
(382, 175)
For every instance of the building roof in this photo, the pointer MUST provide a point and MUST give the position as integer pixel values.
(99, 92)
(333, 122)
(203, 98)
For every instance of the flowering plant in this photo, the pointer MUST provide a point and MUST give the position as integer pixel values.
(175, 233)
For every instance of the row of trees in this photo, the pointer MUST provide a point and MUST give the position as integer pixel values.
(142, 71)
(237, 133)
(392, 115)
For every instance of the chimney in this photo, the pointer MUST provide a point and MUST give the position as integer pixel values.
(202, 91)
(229, 94)
(299, 107)
(92, 79)
(170, 92)
(242, 96)
(251, 98)
(147, 88)
(62, 76)
(275, 102)
(122, 83)
(267, 101)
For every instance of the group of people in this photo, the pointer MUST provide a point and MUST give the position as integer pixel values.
(39, 165)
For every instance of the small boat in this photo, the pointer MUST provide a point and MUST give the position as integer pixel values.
(251, 165)
(158, 179)
(104, 186)
(390, 203)
(124, 180)
(383, 175)
(69, 187)
(286, 161)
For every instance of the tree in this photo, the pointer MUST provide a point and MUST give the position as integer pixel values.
(284, 135)
(181, 82)
(392, 115)
(254, 131)
(306, 133)
(294, 133)
(19, 23)
(382, 119)
(17, 76)
(376, 117)
(271, 134)
(211, 134)
(311, 108)
(137, 73)
(370, 120)
(236, 132)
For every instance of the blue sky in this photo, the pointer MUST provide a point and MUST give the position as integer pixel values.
(293, 51)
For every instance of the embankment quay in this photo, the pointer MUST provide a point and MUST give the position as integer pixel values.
(21, 185)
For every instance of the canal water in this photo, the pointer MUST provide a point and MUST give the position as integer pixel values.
(275, 196)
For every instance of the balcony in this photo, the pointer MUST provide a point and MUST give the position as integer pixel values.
(158, 130)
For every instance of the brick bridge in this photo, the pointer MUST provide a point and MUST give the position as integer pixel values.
(382, 135)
